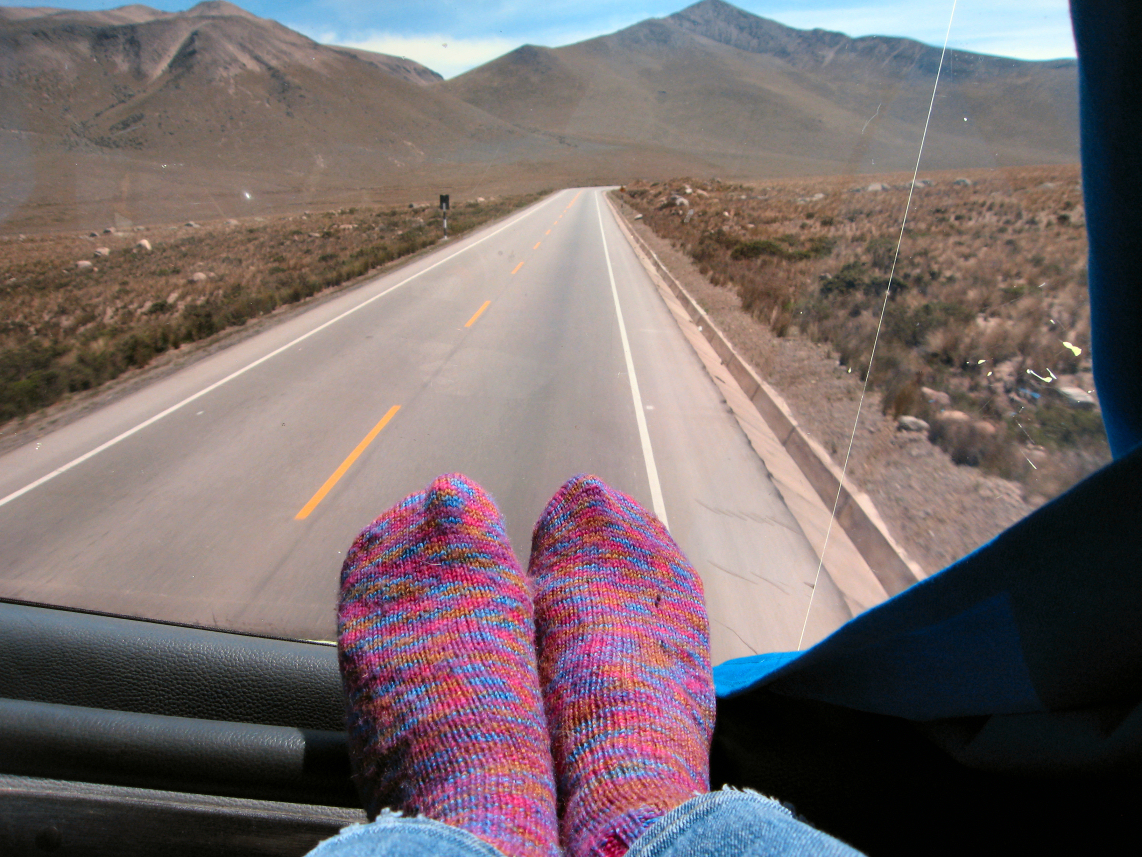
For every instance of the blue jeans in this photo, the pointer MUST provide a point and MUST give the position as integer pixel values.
(728, 822)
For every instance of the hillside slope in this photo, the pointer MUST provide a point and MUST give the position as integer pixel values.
(217, 108)
(752, 96)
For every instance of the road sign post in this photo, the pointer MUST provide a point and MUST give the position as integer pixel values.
(444, 211)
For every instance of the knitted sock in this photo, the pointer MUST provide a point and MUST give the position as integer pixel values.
(436, 640)
(624, 663)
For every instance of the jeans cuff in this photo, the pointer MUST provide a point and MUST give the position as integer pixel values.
(396, 835)
(735, 821)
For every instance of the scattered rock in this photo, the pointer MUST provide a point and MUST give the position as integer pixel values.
(102, 251)
(638, 217)
(84, 265)
(92, 234)
(953, 417)
(907, 423)
(197, 277)
(875, 187)
(936, 397)
(191, 224)
(922, 183)
(961, 182)
(984, 427)
(677, 200)
(1006, 373)
(232, 222)
(143, 244)
(346, 226)
(107, 230)
(479, 199)
(1078, 397)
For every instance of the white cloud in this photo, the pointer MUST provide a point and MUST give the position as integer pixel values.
(447, 55)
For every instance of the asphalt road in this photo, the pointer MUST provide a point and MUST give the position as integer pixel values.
(226, 494)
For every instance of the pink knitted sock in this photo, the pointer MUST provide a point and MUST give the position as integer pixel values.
(436, 638)
(624, 663)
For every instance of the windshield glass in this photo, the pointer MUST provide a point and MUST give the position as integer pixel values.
(805, 279)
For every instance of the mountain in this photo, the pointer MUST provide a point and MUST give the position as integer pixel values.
(136, 115)
(749, 95)
(217, 112)
(400, 66)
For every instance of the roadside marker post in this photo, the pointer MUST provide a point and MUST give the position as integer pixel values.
(444, 211)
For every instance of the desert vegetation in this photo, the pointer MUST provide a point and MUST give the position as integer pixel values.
(78, 310)
(981, 323)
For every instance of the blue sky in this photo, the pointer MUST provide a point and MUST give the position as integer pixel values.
(451, 36)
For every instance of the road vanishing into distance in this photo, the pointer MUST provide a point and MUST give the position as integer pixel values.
(226, 494)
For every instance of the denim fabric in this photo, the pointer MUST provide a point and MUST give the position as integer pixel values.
(737, 823)
(393, 835)
(728, 823)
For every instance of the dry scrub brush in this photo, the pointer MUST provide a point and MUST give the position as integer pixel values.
(987, 305)
(65, 329)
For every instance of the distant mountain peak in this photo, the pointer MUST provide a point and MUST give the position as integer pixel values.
(218, 9)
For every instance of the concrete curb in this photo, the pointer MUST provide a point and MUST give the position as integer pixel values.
(854, 510)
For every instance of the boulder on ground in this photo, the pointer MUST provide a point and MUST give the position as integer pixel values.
(84, 265)
(191, 224)
(953, 417)
(907, 423)
(877, 186)
(197, 277)
(143, 244)
(1078, 397)
(102, 251)
(936, 397)
(962, 182)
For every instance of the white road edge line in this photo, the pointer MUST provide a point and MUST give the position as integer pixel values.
(640, 417)
(151, 421)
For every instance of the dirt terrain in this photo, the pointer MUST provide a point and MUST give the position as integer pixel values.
(937, 509)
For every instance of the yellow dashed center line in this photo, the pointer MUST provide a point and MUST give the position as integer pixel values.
(537, 243)
(345, 465)
(479, 313)
(517, 267)
(548, 232)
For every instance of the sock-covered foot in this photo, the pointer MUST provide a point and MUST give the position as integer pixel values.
(624, 663)
(436, 641)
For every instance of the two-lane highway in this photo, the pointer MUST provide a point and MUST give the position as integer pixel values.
(226, 494)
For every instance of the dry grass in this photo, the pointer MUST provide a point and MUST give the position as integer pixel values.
(67, 329)
(987, 305)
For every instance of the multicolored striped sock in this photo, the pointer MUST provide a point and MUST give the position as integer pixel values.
(436, 640)
(624, 663)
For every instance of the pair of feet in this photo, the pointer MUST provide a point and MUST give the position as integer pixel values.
(565, 708)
